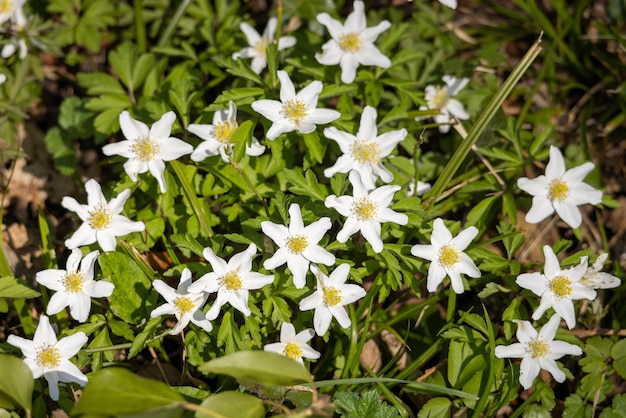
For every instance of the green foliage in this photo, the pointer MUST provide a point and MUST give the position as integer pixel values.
(368, 404)
(16, 388)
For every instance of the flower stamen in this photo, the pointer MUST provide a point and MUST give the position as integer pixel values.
(332, 296)
(261, 46)
(559, 190)
(145, 149)
(48, 357)
(296, 244)
(366, 152)
(441, 98)
(538, 348)
(364, 209)
(295, 110)
(561, 286)
(184, 304)
(351, 42)
(293, 350)
(231, 281)
(223, 131)
(449, 256)
(100, 217)
(73, 282)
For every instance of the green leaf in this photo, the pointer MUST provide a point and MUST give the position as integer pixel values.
(618, 409)
(266, 368)
(436, 408)
(16, 385)
(618, 352)
(131, 299)
(315, 146)
(10, 287)
(123, 59)
(140, 341)
(231, 404)
(308, 186)
(353, 405)
(120, 392)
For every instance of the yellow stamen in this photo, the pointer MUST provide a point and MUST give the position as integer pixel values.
(449, 256)
(332, 296)
(183, 304)
(145, 149)
(441, 98)
(261, 46)
(231, 281)
(100, 217)
(293, 350)
(559, 190)
(295, 110)
(365, 152)
(351, 42)
(223, 131)
(6, 6)
(364, 209)
(48, 357)
(538, 348)
(73, 282)
(296, 244)
(561, 286)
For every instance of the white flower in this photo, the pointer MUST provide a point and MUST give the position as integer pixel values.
(12, 10)
(297, 245)
(330, 297)
(184, 304)
(75, 286)
(365, 211)
(13, 45)
(102, 221)
(259, 43)
(294, 112)
(557, 288)
(48, 357)
(447, 256)
(218, 135)
(559, 190)
(421, 188)
(365, 151)
(596, 279)
(440, 98)
(231, 281)
(450, 3)
(353, 43)
(292, 345)
(538, 350)
(147, 149)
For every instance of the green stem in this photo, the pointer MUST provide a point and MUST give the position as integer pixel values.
(140, 26)
(125, 345)
(249, 183)
(483, 121)
(205, 229)
(169, 30)
(451, 305)
(279, 20)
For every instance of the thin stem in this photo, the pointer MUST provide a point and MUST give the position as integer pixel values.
(279, 18)
(125, 345)
(249, 183)
(140, 26)
(451, 304)
(169, 30)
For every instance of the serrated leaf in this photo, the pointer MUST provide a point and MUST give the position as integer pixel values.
(308, 186)
(140, 340)
(618, 352)
(120, 392)
(435, 408)
(16, 384)
(315, 147)
(264, 367)
(231, 404)
(353, 405)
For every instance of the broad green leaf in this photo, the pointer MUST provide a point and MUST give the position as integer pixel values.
(618, 352)
(10, 287)
(308, 186)
(140, 340)
(231, 404)
(266, 368)
(353, 405)
(315, 146)
(16, 384)
(120, 392)
(130, 299)
(435, 408)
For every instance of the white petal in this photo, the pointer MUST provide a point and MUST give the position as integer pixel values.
(556, 165)
(540, 210)
(131, 128)
(287, 90)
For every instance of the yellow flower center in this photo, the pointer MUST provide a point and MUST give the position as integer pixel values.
(293, 350)
(449, 256)
(561, 286)
(183, 304)
(295, 110)
(296, 244)
(365, 152)
(6, 6)
(223, 131)
(231, 281)
(559, 190)
(48, 357)
(73, 282)
(440, 100)
(364, 209)
(100, 217)
(351, 42)
(145, 149)
(538, 348)
(332, 296)
(261, 46)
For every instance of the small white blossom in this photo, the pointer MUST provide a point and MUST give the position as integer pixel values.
(217, 136)
(231, 281)
(441, 98)
(13, 10)
(450, 3)
(294, 112)
(557, 288)
(102, 221)
(148, 148)
(298, 245)
(185, 305)
(421, 188)
(292, 345)
(48, 357)
(353, 43)
(75, 286)
(447, 256)
(364, 152)
(559, 190)
(330, 298)
(259, 43)
(365, 211)
(538, 350)
(594, 278)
